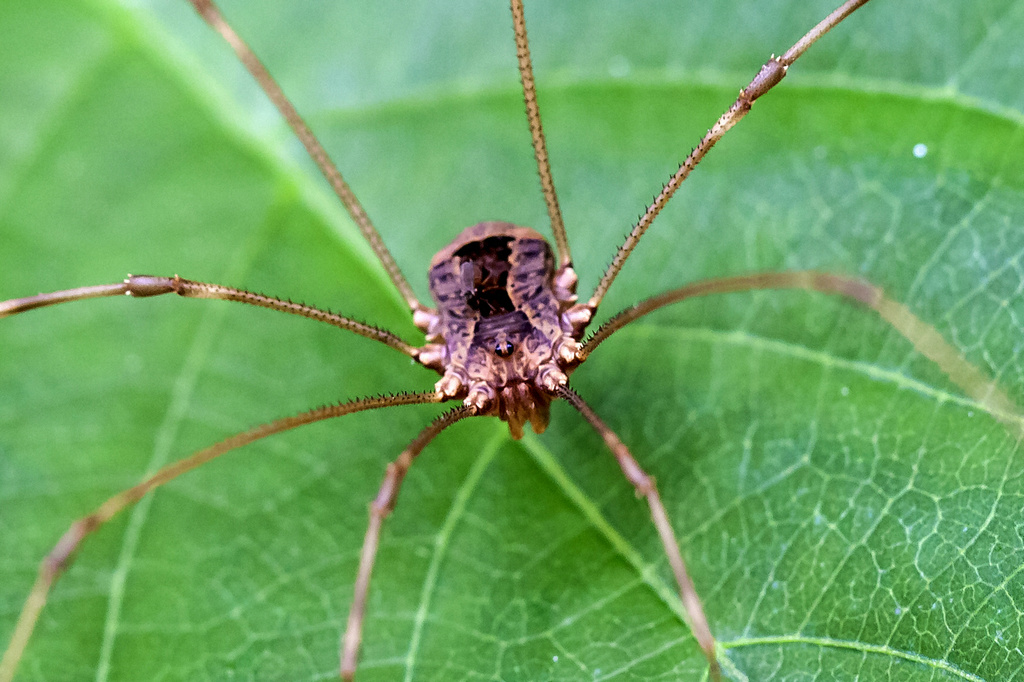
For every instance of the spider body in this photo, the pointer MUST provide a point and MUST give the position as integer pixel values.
(503, 334)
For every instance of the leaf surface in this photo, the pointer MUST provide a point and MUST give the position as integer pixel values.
(843, 508)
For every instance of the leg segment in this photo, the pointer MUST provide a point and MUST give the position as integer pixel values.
(63, 552)
(809, 280)
(540, 149)
(768, 77)
(380, 508)
(922, 336)
(142, 286)
(645, 487)
(212, 15)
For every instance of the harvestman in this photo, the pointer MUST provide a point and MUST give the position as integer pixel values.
(507, 332)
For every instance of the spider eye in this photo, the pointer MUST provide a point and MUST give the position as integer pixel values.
(503, 349)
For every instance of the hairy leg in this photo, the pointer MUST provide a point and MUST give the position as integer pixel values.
(380, 508)
(646, 488)
(60, 557)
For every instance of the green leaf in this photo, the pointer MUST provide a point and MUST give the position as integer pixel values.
(845, 511)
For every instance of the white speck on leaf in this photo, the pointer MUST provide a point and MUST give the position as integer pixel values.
(619, 66)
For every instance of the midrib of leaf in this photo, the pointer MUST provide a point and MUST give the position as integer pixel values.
(646, 572)
(456, 514)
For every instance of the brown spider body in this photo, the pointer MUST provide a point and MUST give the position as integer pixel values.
(503, 335)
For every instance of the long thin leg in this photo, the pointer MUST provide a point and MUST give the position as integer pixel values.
(141, 286)
(212, 15)
(645, 487)
(810, 280)
(380, 508)
(63, 552)
(922, 336)
(768, 77)
(540, 150)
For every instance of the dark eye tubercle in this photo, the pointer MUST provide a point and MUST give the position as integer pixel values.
(504, 349)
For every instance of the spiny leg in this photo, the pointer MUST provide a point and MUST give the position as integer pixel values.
(809, 280)
(645, 487)
(921, 335)
(380, 508)
(63, 552)
(768, 77)
(212, 15)
(540, 150)
(142, 286)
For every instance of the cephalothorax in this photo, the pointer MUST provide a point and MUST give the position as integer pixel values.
(506, 327)
(505, 335)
